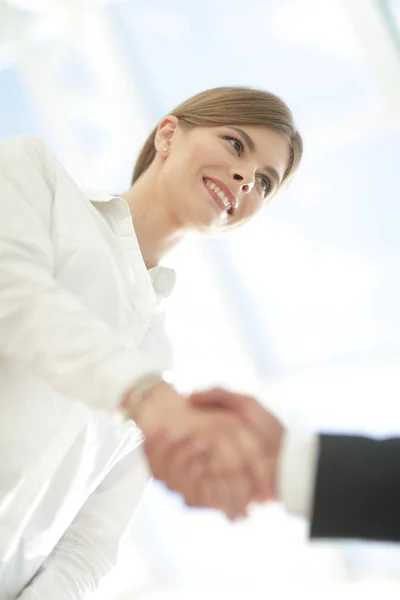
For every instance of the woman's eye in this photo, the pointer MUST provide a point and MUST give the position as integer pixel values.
(265, 185)
(237, 145)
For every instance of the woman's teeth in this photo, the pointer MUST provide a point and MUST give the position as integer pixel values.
(220, 194)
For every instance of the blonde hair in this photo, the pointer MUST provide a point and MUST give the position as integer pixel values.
(231, 106)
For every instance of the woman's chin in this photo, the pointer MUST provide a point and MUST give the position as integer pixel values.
(210, 221)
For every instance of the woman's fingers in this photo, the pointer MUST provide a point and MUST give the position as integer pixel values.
(176, 462)
(228, 473)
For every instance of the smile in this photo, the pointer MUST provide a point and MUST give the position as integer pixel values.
(218, 195)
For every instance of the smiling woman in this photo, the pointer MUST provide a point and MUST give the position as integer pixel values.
(82, 338)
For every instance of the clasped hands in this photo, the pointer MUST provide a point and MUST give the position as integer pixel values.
(218, 449)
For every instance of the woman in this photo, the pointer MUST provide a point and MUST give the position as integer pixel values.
(82, 338)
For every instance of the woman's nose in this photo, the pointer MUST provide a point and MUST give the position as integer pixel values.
(245, 186)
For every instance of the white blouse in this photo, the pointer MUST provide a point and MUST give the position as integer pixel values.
(80, 321)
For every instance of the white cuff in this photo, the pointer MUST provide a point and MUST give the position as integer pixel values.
(297, 470)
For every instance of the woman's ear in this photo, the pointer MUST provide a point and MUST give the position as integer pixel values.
(165, 133)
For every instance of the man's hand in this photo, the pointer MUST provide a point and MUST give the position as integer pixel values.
(209, 455)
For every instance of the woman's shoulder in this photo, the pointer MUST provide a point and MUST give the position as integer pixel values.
(26, 147)
(24, 143)
(21, 155)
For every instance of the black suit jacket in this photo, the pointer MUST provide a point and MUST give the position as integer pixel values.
(357, 491)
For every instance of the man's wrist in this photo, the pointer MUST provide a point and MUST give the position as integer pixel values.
(296, 471)
(277, 463)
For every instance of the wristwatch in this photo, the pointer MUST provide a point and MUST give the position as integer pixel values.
(138, 393)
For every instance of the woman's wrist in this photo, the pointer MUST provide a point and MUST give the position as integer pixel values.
(138, 394)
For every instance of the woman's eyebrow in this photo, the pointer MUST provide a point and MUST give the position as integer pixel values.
(246, 137)
(274, 174)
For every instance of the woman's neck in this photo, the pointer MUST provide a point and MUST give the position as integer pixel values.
(156, 231)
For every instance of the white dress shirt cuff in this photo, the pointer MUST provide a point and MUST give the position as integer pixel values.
(297, 470)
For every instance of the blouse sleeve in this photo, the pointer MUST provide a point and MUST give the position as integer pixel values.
(41, 323)
(89, 550)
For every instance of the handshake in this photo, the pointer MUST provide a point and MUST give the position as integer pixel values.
(216, 448)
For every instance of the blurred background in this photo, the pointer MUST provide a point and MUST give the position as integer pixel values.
(301, 307)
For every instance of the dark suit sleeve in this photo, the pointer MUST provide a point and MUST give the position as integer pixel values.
(357, 489)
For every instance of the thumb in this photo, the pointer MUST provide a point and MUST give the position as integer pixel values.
(216, 398)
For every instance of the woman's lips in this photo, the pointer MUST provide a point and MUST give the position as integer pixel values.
(220, 194)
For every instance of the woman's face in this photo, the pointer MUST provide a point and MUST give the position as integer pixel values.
(216, 178)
